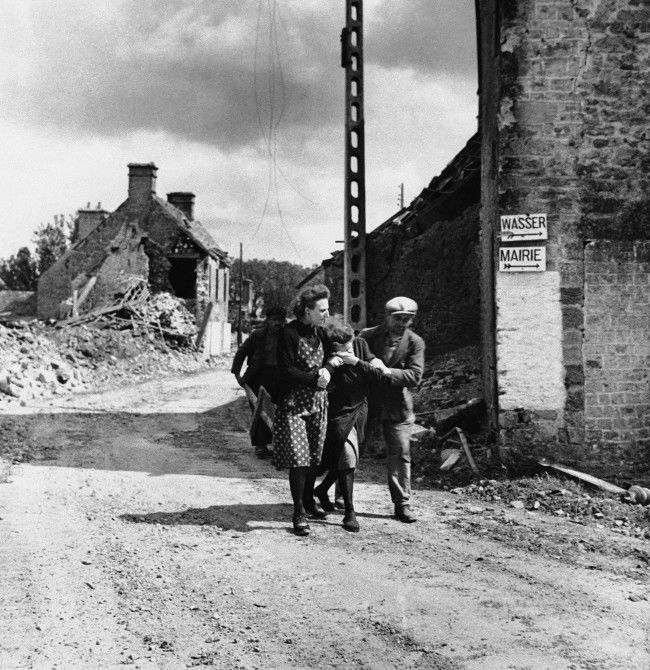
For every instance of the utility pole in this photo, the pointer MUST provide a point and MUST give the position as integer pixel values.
(354, 272)
(400, 196)
(241, 291)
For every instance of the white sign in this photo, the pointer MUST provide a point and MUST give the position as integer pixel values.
(531, 227)
(522, 259)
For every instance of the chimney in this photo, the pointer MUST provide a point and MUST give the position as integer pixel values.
(87, 220)
(183, 201)
(142, 182)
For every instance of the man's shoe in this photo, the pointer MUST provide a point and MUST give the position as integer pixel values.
(350, 522)
(324, 500)
(315, 511)
(300, 525)
(404, 514)
(339, 503)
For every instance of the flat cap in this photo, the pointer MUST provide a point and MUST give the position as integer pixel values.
(401, 305)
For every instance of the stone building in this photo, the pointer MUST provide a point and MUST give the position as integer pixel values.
(563, 133)
(145, 237)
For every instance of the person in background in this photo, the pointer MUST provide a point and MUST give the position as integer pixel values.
(301, 416)
(355, 369)
(402, 351)
(260, 351)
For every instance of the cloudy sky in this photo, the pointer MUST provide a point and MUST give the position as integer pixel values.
(239, 101)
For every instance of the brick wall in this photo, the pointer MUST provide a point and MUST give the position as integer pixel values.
(572, 143)
(617, 355)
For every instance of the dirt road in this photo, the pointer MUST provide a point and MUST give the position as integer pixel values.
(154, 539)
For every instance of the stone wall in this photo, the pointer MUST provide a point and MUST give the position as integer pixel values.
(572, 143)
(55, 285)
(429, 252)
(438, 268)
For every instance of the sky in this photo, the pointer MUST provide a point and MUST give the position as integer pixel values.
(239, 101)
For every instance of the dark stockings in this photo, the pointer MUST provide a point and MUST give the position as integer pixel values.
(346, 484)
(301, 483)
(330, 477)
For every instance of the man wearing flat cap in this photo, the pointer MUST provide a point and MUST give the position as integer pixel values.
(402, 351)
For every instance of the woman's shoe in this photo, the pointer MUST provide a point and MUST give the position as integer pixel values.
(324, 500)
(300, 525)
(315, 511)
(350, 522)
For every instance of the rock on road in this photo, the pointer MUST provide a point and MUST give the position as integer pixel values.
(155, 539)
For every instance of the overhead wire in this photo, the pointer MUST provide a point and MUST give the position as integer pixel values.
(276, 92)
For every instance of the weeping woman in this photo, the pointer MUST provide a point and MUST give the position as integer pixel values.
(301, 417)
(355, 369)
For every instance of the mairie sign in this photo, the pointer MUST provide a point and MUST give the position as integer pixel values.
(522, 259)
(523, 227)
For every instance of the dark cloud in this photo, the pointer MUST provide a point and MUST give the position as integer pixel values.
(428, 36)
(223, 72)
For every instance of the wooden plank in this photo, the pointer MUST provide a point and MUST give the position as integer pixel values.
(264, 409)
(583, 477)
(468, 453)
(85, 291)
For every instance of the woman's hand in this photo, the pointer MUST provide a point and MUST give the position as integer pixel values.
(334, 361)
(323, 378)
(348, 359)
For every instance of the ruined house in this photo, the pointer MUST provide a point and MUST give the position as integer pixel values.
(145, 237)
(563, 133)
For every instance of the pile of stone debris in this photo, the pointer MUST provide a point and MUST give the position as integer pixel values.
(450, 381)
(561, 498)
(89, 352)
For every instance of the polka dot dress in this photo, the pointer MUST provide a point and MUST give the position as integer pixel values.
(300, 421)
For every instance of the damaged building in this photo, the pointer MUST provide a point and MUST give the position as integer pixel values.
(561, 308)
(147, 238)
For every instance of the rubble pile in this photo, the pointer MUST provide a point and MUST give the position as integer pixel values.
(563, 499)
(172, 315)
(449, 380)
(38, 360)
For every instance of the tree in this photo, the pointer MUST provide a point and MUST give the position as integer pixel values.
(52, 240)
(273, 281)
(19, 272)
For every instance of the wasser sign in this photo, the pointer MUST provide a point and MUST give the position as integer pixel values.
(522, 259)
(524, 227)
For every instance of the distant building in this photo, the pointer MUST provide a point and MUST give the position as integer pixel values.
(146, 237)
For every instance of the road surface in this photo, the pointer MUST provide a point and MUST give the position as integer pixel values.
(155, 539)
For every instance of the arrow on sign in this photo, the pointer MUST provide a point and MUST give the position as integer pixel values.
(507, 266)
(509, 233)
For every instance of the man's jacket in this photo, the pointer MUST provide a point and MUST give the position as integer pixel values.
(252, 350)
(407, 366)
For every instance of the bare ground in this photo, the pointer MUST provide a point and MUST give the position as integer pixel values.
(148, 536)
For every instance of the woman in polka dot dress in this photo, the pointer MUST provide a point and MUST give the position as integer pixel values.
(300, 420)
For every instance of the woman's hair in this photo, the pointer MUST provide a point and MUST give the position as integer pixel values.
(277, 312)
(308, 297)
(338, 332)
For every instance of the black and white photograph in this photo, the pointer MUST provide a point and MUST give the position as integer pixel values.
(325, 334)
